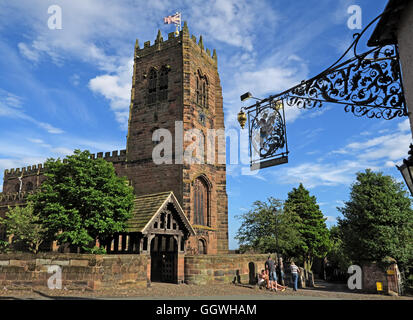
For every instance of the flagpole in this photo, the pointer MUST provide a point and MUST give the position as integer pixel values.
(178, 25)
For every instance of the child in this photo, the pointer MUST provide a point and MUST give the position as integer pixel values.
(262, 279)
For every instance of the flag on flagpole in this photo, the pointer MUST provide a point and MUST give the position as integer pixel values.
(176, 19)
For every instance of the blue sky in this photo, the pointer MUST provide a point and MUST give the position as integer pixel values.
(70, 88)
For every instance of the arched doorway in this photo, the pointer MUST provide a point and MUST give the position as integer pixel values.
(164, 257)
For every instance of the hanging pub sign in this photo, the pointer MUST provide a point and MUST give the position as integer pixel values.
(267, 134)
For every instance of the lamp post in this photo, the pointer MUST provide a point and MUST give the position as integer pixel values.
(406, 169)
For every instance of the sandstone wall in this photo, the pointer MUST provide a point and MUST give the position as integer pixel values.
(209, 269)
(78, 270)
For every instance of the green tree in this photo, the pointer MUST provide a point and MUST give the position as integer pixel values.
(268, 228)
(315, 241)
(25, 226)
(377, 220)
(82, 200)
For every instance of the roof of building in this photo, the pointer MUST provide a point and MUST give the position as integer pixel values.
(147, 207)
(385, 31)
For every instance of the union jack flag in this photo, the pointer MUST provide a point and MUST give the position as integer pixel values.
(176, 19)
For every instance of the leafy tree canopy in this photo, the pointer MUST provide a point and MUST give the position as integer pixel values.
(82, 200)
(377, 220)
(268, 228)
(25, 227)
(315, 235)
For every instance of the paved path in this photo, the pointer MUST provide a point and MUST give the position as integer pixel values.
(164, 291)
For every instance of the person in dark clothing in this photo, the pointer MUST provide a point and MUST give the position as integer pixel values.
(270, 266)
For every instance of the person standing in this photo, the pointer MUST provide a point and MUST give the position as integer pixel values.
(294, 272)
(281, 270)
(270, 266)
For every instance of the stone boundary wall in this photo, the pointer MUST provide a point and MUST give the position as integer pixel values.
(209, 269)
(79, 271)
(372, 273)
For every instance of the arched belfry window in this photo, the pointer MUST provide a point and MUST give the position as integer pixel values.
(202, 90)
(152, 85)
(163, 83)
(201, 202)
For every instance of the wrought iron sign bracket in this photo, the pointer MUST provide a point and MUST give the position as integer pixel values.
(368, 84)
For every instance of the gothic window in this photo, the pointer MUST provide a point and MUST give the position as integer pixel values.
(202, 90)
(198, 92)
(152, 86)
(17, 187)
(204, 94)
(201, 202)
(163, 84)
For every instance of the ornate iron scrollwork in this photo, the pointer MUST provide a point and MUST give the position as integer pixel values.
(368, 84)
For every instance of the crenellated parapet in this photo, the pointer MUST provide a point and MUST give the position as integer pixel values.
(173, 40)
(25, 171)
(38, 169)
(115, 156)
(159, 44)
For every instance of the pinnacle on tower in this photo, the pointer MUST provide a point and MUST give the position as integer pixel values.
(159, 37)
(201, 43)
(185, 28)
(214, 55)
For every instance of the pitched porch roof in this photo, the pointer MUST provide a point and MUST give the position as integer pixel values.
(147, 207)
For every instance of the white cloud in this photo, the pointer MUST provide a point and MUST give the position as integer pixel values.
(404, 125)
(331, 219)
(231, 21)
(377, 153)
(117, 89)
(75, 79)
(387, 147)
(11, 107)
(31, 54)
(322, 174)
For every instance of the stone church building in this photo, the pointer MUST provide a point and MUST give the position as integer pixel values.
(180, 208)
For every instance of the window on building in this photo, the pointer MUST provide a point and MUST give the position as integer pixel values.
(163, 84)
(202, 90)
(152, 85)
(17, 187)
(198, 92)
(201, 202)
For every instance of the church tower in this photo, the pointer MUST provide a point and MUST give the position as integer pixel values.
(176, 89)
